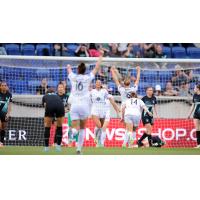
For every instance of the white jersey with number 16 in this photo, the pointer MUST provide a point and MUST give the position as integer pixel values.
(80, 87)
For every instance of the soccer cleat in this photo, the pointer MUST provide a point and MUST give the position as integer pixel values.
(46, 149)
(139, 144)
(197, 147)
(58, 148)
(78, 152)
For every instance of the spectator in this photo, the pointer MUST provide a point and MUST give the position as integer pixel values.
(122, 48)
(105, 47)
(184, 89)
(45, 52)
(82, 51)
(42, 89)
(2, 50)
(158, 91)
(60, 50)
(114, 51)
(65, 86)
(169, 90)
(93, 50)
(137, 50)
(159, 52)
(149, 50)
(129, 52)
(180, 77)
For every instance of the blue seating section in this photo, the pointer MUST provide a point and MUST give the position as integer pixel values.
(38, 49)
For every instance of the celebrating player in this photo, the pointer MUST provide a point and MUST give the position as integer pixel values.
(126, 89)
(196, 108)
(101, 111)
(148, 120)
(54, 107)
(5, 109)
(131, 114)
(80, 99)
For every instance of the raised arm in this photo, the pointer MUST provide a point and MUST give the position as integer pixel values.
(69, 69)
(98, 64)
(138, 75)
(114, 76)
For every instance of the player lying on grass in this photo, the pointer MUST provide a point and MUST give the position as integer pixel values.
(131, 115)
(100, 112)
(80, 95)
(148, 120)
(54, 107)
(196, 116)
(5, 109)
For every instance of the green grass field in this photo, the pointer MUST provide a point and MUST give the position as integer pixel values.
(22, 150)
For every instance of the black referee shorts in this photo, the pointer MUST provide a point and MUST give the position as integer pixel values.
(195, 116)
(55, 111)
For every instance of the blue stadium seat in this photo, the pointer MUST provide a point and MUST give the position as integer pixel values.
(193, 52)
(28, 49)
(43, 73)
(165, 75)
(179, 52)
(112, 86)
(40, 49)
(149, 75)
(167, 52)
(71, 49)
(17, 86)
(13, 49)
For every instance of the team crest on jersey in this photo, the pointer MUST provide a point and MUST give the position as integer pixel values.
(98, 98)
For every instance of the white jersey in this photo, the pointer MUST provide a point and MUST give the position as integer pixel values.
(133, 106)
(125, 92)
(80, 93)
(99, 97)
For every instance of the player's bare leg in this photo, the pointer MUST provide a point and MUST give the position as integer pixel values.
(47, 125)
(197, 125)
(103, 134)
(128, 133)
(97, 130)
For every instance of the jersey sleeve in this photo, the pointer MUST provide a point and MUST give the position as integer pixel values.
(135, 88)
(120, 89)
(110, 96)
(71, 76)
(142, 104)
(10, 97)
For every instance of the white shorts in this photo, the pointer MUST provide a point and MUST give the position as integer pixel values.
(132, 119)
(101, 113)
(79, 112)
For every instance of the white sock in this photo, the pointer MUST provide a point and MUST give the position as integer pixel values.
(103, 137)
(74, 132)
(132, 137)
(96, 131)
(81, 138)
(126, 138)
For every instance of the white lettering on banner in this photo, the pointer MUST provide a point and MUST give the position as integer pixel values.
(110, 135)
(22, 135)
(65, 134)
(192, 134)
(12, 135)
(167, 130)
(88, 134)
(119, 134)
(179, 134)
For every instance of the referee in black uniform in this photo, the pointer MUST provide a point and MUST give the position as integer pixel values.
(5, 109)
(54, 107)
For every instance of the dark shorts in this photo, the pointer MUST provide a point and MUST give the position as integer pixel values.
(147, 120)
(55, 111)
(195, 116)
(3, 117)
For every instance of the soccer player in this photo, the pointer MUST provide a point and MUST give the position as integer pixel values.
(100, 111)
(5, 109)
(196, 116)
(126, 88)
(147, 120)
(131, 114)
(54, 107)
(64, 96)
(80, 99)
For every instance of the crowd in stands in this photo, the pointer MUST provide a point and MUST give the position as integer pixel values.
(127, 50)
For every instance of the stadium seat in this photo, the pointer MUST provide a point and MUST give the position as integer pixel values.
(167, 52)
(165, 75)
(112, 87)
(18, 86)
(43, 73)
(179, 52)
(40, 49)
(149, 75)
(13, 49)
(71, 49)
(28, 50)
(193, 52)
